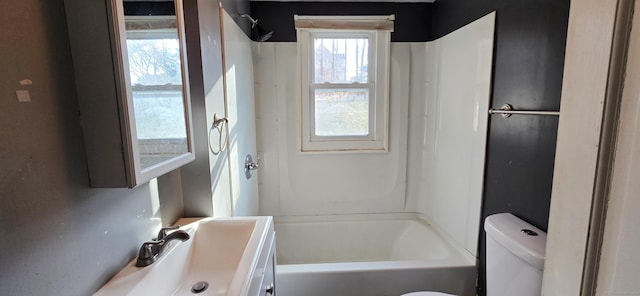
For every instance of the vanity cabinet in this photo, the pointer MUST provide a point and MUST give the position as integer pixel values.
(263, 279)
(269, 279)
(130, 69)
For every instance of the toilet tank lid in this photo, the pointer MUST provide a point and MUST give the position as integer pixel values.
(514, 235)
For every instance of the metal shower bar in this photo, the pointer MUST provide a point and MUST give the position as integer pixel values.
(507, 110)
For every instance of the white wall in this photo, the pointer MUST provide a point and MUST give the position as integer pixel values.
(588, 89)
(238, 62)
(448, 130)
(438, 125)
(619, 262)
(295, 183)
(205, 182)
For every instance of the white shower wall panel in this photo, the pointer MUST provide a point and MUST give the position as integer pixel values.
(329, 182)
(448, 131)
(439, 99)
(422, 125)
(240, 101)
(266, 92)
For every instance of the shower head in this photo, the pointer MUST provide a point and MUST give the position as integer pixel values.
(261, 36)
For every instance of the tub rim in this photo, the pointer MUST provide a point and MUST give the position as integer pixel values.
(460, 258)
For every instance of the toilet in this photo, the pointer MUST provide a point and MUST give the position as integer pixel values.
(515, 257)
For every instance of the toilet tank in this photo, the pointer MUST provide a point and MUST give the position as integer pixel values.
(515, 256)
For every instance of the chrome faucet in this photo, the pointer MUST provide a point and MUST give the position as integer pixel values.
(150, 251)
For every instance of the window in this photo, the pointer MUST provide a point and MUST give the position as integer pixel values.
(153, 51)
(155, 72)
(344, 65)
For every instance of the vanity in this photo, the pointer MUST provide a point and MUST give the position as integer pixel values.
(223, 256)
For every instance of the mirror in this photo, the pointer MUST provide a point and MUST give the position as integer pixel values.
(157, 88)
(131, 78)
(156, 80)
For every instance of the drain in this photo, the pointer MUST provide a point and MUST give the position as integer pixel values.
(199, 287)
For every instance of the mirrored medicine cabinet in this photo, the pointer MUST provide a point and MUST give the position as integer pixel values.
(131, 78)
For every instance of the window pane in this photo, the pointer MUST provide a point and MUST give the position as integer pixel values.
(342, 112)
(159, 113)
(154, 61)
(156, 78)
(341, 60)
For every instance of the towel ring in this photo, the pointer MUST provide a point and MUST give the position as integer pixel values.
(218, 124)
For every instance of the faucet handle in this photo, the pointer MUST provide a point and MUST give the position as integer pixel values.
(148, 253)
(163, 232)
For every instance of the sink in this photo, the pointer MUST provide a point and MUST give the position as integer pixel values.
(222, 252)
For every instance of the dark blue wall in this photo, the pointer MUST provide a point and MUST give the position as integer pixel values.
(235, 8)
(413, 20)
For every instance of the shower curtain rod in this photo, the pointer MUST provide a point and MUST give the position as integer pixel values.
(507, 110)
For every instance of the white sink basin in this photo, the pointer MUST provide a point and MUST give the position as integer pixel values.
(221, 252)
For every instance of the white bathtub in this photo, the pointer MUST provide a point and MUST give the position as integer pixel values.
(367, 255)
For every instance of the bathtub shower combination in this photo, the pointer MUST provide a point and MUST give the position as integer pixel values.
(383, 223)
(359, 255)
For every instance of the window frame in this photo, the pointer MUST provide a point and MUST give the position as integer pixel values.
(378, 83)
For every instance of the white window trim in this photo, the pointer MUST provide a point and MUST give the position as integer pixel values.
(379, 30)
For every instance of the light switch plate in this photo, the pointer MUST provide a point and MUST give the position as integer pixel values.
(23, 96)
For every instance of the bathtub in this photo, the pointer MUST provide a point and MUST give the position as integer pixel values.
(368, 255)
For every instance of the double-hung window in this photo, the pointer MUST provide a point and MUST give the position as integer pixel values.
(153, 51)
(344, 71)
